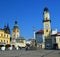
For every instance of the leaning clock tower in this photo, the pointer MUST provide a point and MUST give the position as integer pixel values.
(47, 28)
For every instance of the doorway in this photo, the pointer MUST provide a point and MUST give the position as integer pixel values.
(55, 46)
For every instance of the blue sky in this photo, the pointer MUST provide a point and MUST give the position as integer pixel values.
(29, 13)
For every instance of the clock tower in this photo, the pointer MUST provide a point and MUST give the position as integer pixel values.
(46, 22)
(47, 28)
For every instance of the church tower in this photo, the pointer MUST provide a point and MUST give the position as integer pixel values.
(47, 28)
(46, 22)
(15, 33)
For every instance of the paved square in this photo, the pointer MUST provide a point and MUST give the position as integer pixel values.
(30, 53)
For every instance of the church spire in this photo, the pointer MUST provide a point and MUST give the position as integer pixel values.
(7, 29)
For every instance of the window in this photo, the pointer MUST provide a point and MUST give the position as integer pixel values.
(19, 41)
(1, 40)
(7, 35)
(4, 35)
(46, 18)
(17, 30)
(47, 30)
(4, 40)
(1, 34)
(13, 30)
(7, 41)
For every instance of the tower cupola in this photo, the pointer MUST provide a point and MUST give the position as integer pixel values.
(46, 9)
(46, 14)
(16, 25)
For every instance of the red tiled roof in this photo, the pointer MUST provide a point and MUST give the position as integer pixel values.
(40, 31)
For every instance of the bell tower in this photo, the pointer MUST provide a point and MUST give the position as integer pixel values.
(46, 22)
(15, 33)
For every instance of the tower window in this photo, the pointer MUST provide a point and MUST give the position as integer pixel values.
(13, 30)
(47, 30)
(17, 30)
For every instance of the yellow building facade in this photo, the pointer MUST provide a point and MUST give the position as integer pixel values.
(4, 37)
(58, 41)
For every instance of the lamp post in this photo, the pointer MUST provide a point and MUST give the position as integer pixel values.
(34, 30)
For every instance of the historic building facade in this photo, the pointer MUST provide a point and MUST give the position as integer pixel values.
(40, 38)
(5, 35)
(51, 37)
(17, 40)
(15, 31)
(56, 40)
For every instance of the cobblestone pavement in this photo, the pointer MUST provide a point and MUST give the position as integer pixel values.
(30, 53)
